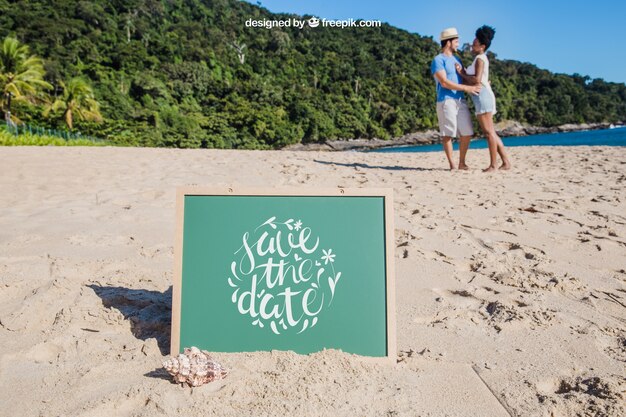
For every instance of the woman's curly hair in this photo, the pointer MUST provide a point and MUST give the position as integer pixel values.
(485, 34)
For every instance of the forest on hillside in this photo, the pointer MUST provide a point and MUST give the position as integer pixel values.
(189, 73)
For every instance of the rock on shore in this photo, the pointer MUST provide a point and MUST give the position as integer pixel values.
(504, 129)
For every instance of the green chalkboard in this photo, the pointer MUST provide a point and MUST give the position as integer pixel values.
(286, 270)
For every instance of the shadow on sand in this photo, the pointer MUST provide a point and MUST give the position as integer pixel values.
(149, 312)
(160, 373)
(366, 166)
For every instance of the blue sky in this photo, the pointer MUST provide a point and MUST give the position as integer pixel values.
(585, 37)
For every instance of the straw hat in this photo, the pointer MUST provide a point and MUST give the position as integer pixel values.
(449, 33)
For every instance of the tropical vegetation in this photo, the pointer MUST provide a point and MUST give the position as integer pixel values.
(189, 73)
(21, 74)
(76, 102)
(8, 138)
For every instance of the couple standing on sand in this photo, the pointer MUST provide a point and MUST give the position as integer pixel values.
(452, 81)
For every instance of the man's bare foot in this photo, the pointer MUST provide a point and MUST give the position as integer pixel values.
(490, 169)
(452, 167)
(505, 166)
(463, 167)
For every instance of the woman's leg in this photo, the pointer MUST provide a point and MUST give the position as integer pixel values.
(506, 163)
(486, 124)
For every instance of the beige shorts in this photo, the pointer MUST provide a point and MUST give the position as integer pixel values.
(454, 118)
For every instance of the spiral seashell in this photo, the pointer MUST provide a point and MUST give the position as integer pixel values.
(194, 367)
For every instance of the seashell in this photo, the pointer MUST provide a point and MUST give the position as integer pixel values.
(194, 367)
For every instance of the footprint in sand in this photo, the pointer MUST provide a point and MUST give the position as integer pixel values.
(488, 307)
(521, 266)
(612, 342)
(500, 314)
(583, 395)
(53, 297)
(452, 306)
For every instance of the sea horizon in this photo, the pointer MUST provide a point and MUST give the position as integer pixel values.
(603, 137)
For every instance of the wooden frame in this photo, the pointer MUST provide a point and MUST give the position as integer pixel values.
(385, 193)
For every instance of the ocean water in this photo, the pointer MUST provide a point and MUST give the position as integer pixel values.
(606, 137)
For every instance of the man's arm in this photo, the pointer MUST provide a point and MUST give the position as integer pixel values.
(445, 83)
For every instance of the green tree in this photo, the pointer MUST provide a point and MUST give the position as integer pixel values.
(21, 74)
(177, 73)
(76, 103)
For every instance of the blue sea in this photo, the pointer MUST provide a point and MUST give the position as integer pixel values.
(606, 137)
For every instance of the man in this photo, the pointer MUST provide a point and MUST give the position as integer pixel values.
(452, 112)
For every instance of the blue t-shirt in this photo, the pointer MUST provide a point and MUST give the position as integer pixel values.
(443, 62)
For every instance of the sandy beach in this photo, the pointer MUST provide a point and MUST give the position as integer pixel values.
(511, 287)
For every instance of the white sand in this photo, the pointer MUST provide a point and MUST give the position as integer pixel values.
(502, 310)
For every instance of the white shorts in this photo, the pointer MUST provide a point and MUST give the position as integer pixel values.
(454, 118)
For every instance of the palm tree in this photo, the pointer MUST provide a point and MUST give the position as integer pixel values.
(21, 74)
(76, 103)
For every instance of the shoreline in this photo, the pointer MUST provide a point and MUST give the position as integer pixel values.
(429, 137)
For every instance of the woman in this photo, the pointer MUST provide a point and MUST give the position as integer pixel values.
(485, 102)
